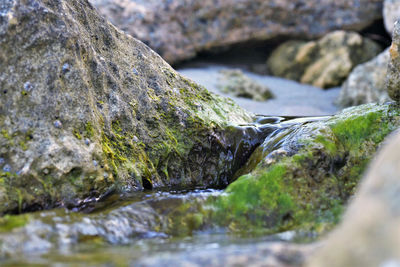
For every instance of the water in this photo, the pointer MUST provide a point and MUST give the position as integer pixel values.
(154, 228)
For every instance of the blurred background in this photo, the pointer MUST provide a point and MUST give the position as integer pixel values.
(273, 57)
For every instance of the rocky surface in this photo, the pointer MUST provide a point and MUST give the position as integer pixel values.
(391, 13)
(235, 82)
(304, 173)
(323, 63)
(393, 72)
(86, 110)
(369, 234)
(179, 29)
(366, 83)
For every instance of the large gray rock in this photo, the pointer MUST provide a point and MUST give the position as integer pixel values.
(370, 233)
(86, 109)
(323, 63)
(366, 83)
(179, 29)
(391, 13)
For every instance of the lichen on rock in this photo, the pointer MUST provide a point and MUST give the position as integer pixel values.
(87, 110)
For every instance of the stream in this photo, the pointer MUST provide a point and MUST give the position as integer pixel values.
(153, 228)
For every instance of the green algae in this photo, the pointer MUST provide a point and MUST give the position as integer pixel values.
(309, 189)
(10, 222)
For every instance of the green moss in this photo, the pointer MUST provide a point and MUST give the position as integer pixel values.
(77, 134)
(308, 190)
(10, 222)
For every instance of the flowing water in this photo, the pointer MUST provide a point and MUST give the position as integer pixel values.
(150, 228)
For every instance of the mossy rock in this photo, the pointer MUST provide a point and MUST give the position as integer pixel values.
(87, 110)
(308, 181)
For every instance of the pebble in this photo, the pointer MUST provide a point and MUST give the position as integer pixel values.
(87, 141)
(57, 124)
(65, 68)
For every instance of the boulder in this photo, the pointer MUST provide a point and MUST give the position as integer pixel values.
(236, 83)
(391, 13)
(366, 83)
(323, 63)
(86, 110)
(179, 29)
(393, 72)
(369, 234)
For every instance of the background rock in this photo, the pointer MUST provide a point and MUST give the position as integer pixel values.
(393, 72)
(366, 83)
(86, 109)
(369, 234)
(391, 13)
(235, 82)
(179, 29)
(323, 63)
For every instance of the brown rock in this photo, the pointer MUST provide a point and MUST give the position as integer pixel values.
(179, 29)
(323, 63)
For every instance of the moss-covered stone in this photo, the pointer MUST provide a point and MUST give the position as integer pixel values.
(307, 186)
(87, 109)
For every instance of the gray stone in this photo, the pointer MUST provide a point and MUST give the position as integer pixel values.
(391, 13)
(179, 29)
(68, 76)
(366, 83)
(236, 83)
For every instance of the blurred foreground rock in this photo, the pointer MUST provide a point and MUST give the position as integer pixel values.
(86, 109)
(179, 29)
(366, 83)
(369, 234)
(323, 63)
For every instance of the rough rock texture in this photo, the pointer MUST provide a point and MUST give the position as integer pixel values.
(393, 72)
(366, 83)
(86, 109)
(323, 63)
(302, 175)
(178, 29)
(236, 83)
(369, 234)
(391, 13)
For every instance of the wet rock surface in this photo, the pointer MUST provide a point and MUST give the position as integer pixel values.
(323, 63)
(236, 83)
(86, 110)
(366, 83)
(369, 233)
(179, 29)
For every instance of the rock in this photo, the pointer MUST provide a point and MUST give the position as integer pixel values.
(303, 174)
(236, 83)
(391, 13)
(393, 72)
(179, 29)
(369, 234)
(76, 90)
(323, 63)
(366, 83)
